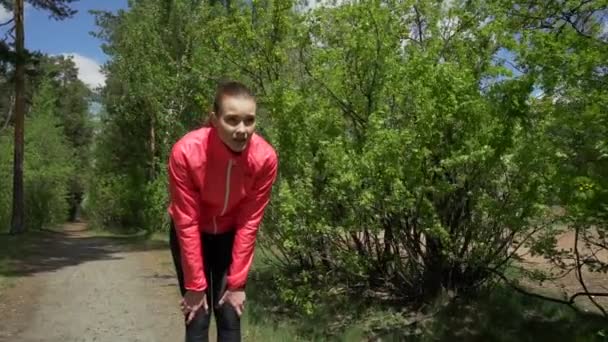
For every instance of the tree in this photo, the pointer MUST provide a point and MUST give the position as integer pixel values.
(563, 46)
(146, 107)
(73, 114)
(414, 157)
(59, 9)
(50, 160)
(17, 220)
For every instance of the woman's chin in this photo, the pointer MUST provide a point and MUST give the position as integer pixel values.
(238, 146)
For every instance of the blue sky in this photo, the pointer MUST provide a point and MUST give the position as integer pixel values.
(71, 36)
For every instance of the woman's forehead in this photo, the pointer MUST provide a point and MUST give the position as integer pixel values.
(240, 105)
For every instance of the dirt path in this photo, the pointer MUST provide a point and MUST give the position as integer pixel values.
(569, 284)
(79, 287)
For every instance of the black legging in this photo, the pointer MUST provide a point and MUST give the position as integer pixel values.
(217, 255)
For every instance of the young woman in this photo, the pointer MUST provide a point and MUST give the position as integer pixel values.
(220, 179)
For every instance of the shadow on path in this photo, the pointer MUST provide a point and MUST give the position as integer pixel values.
(46, 251)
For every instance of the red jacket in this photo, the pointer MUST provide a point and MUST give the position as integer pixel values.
(214, 190)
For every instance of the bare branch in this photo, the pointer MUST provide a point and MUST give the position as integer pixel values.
(345, 105)
(569, 301)
(597, 244)
(10, 113)
(419, 26)
(8, 22)
(512, 65)
(372, 87)
(9, 34)
(253, 75)
(579, 273)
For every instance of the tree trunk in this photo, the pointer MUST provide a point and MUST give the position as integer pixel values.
(435, 266)
(152, 148)
(17, 221)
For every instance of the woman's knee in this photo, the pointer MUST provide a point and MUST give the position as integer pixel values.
(198, 329)
(227, 318)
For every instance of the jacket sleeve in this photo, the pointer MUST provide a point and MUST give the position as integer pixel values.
(185, 214)
(248, 222)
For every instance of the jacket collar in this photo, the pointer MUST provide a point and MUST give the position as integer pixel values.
(219, 151)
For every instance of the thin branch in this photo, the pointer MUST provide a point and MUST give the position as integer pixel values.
(553, 277)
(597, 244)
(568, 19)
(581, 4)
(514, 252)
(8, 22)
(459, 29)
(9, 34)
(254, 76)
(515, 66)
(10, 113)
(372, 86)
(569, 302)
(345, 105)
(419, 25)
(579, 273)
(592, 294)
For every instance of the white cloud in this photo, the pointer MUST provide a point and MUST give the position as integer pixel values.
(5, 15)
(89, 71)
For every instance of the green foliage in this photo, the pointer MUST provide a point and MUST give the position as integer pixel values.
(70, 99)
(499, 314)
(397, 169)
(108, 201)
(48, 165)
(6, 172)
(568, 62)
(413, 157)
(155, 216)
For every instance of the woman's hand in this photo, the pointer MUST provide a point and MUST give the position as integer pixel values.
(192, 302)
(236, 298)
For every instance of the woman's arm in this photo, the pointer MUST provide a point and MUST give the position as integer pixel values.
(185, 212)
(250, 217)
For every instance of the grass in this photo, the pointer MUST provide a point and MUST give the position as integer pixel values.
(505, 315)
(12, 247)
(500, 314)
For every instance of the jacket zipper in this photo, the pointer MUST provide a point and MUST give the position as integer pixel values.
(226, 195)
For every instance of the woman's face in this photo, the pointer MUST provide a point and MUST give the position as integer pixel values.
(236, 122)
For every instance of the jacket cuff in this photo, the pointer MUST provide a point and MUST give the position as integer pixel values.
(234, 284)
(199, 288)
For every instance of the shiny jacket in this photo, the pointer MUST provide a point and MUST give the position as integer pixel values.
(213, 191)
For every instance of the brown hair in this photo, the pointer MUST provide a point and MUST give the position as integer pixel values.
(232, 89)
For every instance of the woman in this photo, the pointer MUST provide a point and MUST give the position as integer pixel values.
(220, 179)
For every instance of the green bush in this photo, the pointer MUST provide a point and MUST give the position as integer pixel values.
(412, 157)
(47, 165)
(156, 200)
(6, 178)
(107, 200)
(115, 201)
(397, 172)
